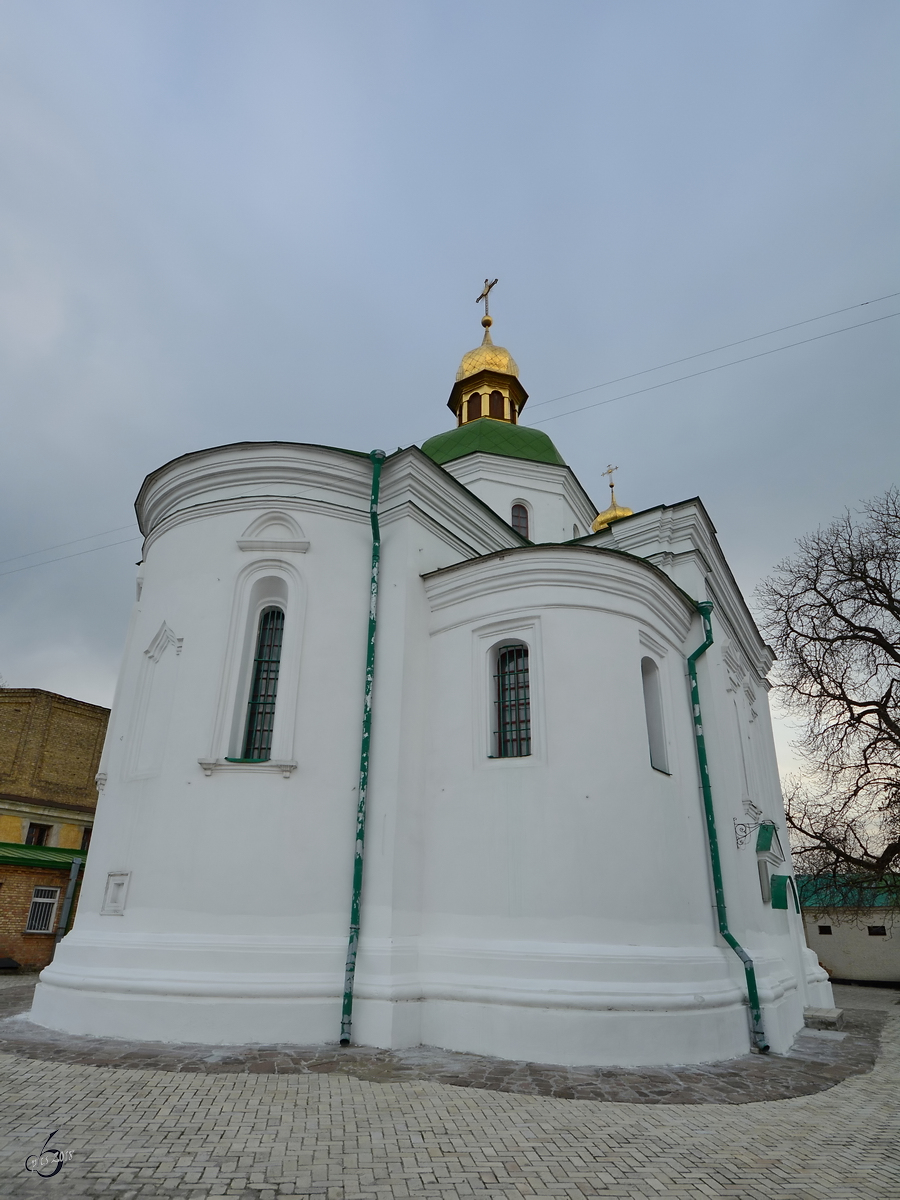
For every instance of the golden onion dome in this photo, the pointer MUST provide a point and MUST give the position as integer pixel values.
(615, 512)
(487, 357)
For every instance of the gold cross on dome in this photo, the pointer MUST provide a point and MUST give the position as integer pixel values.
(610, 471)
(484, 295)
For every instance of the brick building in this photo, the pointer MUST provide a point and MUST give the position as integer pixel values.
(33, 884)
(49, 753)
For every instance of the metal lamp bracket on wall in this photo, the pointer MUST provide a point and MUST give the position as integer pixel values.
(743, 830)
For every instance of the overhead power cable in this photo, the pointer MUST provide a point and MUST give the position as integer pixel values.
(727, 346)
(77, 554)
(59, 545)
(707, 370)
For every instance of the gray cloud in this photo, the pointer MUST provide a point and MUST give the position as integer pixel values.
(227, 220)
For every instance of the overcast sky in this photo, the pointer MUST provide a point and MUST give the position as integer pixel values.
(269, 220)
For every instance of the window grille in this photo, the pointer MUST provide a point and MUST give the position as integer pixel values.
(513, 702)
(261, 707)
(43, 910)
(520, 519)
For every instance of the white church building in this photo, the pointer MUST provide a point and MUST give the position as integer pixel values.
(554, 849)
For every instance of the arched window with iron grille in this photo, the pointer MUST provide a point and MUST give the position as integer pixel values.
(264, 686)
(513, 702)
(519, 520)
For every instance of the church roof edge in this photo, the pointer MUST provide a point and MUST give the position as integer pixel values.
(569, 546)
(180, 458)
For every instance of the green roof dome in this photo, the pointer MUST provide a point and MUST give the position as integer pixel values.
(487, 436)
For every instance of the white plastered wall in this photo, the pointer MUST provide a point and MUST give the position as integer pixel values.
(553, 496)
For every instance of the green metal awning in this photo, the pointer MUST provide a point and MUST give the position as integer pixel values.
(14, 854)
(764, 837)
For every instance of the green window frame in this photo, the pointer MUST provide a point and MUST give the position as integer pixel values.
(782, 886)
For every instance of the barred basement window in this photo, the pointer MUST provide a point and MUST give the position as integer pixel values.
(825, 930)
(513, 702)
(877, 930)
(261, 707)
(519, 520)
(43, 910)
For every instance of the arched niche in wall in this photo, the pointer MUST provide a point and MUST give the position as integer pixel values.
(274, 531)
(653, 714)
(266, 583)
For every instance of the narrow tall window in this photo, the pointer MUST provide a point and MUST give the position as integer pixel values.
(261, 708)
(473, 408)
(496, 406)
(43, 910)
(513, 702)
(520, 519)
(656, 734)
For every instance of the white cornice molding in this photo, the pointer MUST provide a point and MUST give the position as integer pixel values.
(340, 484)
(249, 471)
(213, 508)
(412, 478)
(680, 532)
(272, 544)
(597, 578)
(409, 510)
(58, 812)
(549, 477)
(283, 767)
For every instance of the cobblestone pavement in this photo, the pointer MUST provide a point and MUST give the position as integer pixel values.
(818, 1060)
(232, 1129)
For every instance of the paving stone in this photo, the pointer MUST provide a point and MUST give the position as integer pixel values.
(380, 1127)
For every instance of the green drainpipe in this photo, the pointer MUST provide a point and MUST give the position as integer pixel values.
(759, 1036)
(377, 457)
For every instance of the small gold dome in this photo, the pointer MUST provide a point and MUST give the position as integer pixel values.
(613, 513)
(487, 357)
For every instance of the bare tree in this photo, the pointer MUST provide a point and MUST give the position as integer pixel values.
(832, 613)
